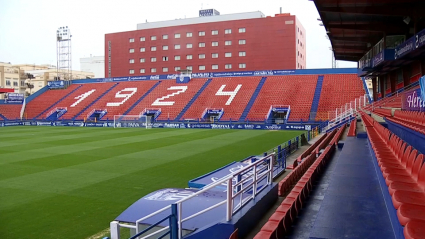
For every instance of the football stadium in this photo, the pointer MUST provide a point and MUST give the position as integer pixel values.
(214, 128)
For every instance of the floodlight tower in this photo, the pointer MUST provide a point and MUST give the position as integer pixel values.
(63, 53)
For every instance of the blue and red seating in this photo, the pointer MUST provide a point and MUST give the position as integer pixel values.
(213, 98)
(170, 97)
(118, 100)
(295, 90)
(45, 100)
(337, 90)
(300, 183)
(11, 111)
(404, 173)
(82, 97)
(411, 119)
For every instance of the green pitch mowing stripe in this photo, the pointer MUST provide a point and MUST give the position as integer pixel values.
(66, 182)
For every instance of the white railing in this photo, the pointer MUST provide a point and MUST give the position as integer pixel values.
(23, 108)
(242, 190)
(346, 111)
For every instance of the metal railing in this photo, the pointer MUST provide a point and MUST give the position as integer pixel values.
(242, 185)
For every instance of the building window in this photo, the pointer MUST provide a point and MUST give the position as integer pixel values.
(242, 42)
(153, 38)
(242, 65)
(153, 48)
(189, 67)
(131, 61)
(228, 54)
(177, 46)
(177, 58)
(189, 45)
(165, 58)
(131, 72)
(202, 44)
(214, 43)
(142, 60)
(214, 32)
(153, 70)
(22, 82)
(242, 53)
(189, 57)
(201, 56)
(131, 50)
(176, 68)
(142, 49)
(228, 31)
(164, 69)
(241, 30)
(177, 35)
(164, 36)
(131, 39)
(142, 70)
(214, 55)
(228, 43)
(164, 48)
(188, 34)
(201, 68)
(153, 59)
(228, 66)
(214, 67)
(201, 34)
(15, 83)
(142, 39)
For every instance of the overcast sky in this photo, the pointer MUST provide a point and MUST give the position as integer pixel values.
(28, 27)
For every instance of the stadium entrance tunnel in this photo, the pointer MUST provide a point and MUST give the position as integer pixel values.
(56, 113)
(278, 114)
(96, 115)
(212, 115)
(153, 113)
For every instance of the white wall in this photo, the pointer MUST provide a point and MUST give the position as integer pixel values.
(95, 64)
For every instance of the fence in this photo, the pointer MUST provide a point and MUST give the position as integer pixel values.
(241, 187)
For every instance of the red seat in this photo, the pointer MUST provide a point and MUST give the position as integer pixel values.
(401, 197)
(407, 212)
(411, 183)
(415, 229)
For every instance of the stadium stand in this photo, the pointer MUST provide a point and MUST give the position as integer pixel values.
(410, 119)
(37, 107)
(296, 91)
(83, 97)
(170, 97)
(233, 95)
(296, 187)
(337, 90)
(118, 100)
(10, 111)
(404, 173)
(383, 112)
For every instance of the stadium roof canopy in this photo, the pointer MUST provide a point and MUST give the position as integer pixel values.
(355, 26)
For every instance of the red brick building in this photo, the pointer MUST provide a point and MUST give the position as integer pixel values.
(232, 42)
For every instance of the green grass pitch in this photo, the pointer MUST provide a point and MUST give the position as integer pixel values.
(65, 182)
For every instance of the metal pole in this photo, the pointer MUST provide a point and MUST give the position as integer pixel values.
(229, 209)
(174, 228)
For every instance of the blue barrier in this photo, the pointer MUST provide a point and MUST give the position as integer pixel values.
(223, 74)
